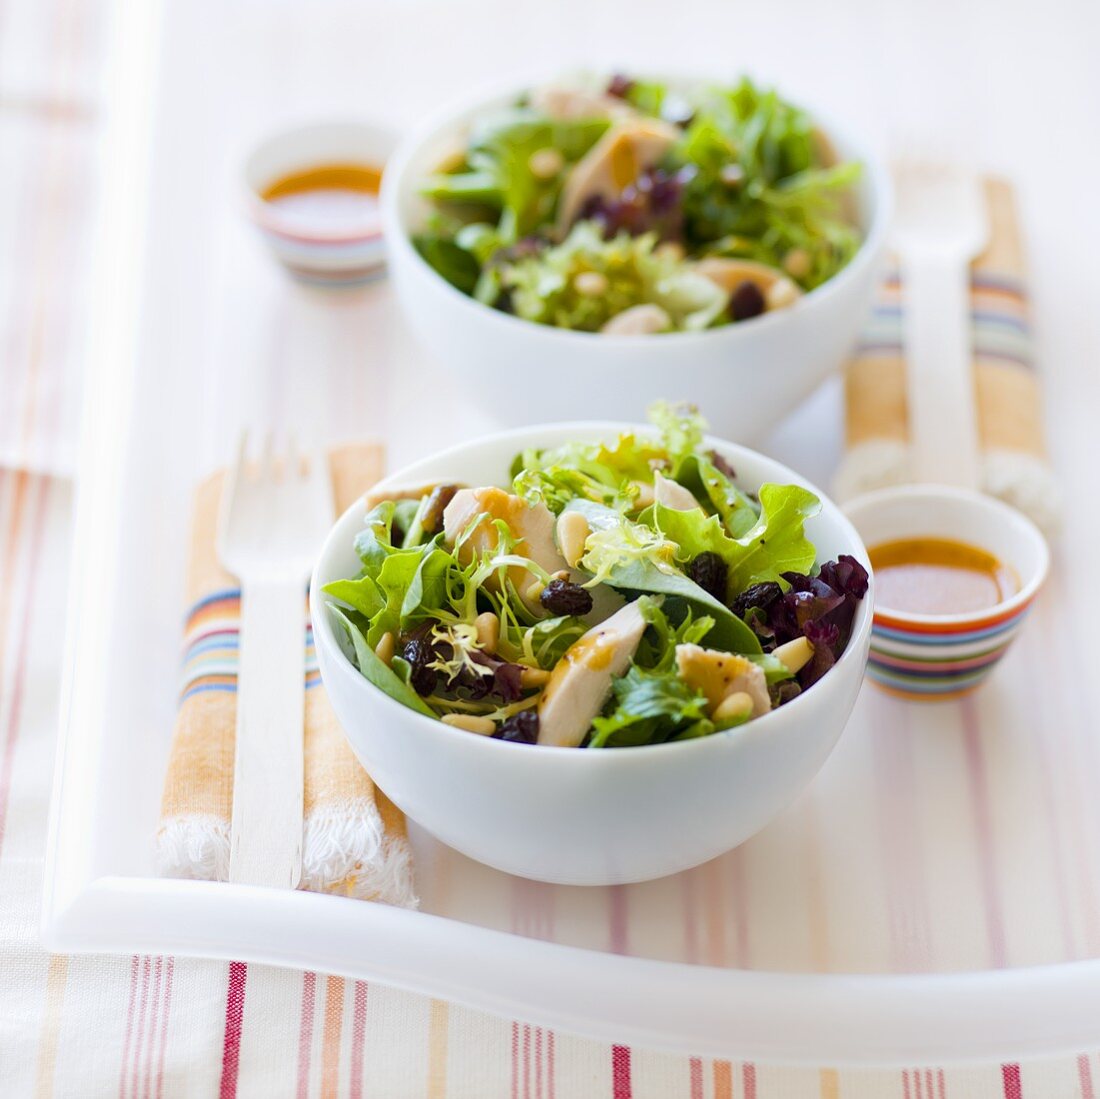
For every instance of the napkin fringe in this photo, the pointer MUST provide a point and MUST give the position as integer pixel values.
(1023, 480)
(346, 850)
(349, 851)
(1026, 482)
(194, 846)
(877, 463)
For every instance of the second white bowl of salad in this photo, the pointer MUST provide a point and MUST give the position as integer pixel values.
(593, 653)
(591, 245)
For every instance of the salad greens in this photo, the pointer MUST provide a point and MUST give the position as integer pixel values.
(615, 594)
(587, 201)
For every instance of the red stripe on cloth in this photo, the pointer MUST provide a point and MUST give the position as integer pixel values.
(620, 1073)
(695, 1070)
(1084, 1074)
(549, 1064)
(154, 1027)
(358, 1039)
(526, 1062)
(128, 1031)
(748, 1080)
(38, 530)
(538, 1062)
(138, 1054)
(169, 969)
(305, 1032)
(231, 1040)
(941, 1084)
(1010, 1078)
(515, 1061)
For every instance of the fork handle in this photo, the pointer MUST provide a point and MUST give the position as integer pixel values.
(939, 368)
(268, 773)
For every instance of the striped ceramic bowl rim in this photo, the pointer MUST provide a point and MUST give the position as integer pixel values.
(941, 656)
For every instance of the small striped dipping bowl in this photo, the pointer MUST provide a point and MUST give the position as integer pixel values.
(339, 246)
(936, 657)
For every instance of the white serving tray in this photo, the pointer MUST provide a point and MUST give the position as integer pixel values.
(930, 899)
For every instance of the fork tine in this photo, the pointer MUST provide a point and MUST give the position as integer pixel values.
(233, 476)
(320, 480)
(267, 456)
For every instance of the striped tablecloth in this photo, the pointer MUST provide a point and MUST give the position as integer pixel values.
(138, 1026)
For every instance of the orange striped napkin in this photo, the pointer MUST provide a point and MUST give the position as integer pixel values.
(354, 840)
(1014, 461)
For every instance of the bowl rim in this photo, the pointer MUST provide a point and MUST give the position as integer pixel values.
(325, 637)
(260, 212)
(398, 238)
(977, 501)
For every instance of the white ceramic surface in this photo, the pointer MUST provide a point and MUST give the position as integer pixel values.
(568, 815)
(747, 376)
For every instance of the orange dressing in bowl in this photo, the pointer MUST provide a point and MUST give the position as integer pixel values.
(327, 197)
(939, 576)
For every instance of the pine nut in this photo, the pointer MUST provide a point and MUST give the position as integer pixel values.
(794, 655)
(781, 293)
(488, 631)
(638, 320)
(732, 175)
(545, 163)
(384, 650)
(797, 263)
(590, 284)
(470, 723)
(734, 707)
(573, 532)
(561, 574)
(534, 677)
(534, 591)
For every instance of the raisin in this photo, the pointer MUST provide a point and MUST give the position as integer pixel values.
(565, 597)
(521, 728)
(782, 693)
(441, 496)
(758, 595)
(710, 572)
(746, 301)
(419, 654)
(620, 86)
(722, 465)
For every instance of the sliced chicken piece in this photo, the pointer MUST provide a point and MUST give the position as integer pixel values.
(581, 680)
(614, 162)
(672, 494)
(718, 675)
(568, 102)
(532, 525)
(729, 274)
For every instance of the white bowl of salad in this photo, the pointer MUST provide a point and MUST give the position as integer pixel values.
(589, 246)
(593, 653)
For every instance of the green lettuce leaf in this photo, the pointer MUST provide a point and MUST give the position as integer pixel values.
(634, 557)
(776, 543)
(375, 669)
(543, 287)
(710, 486)
(651, 707)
